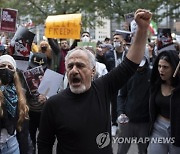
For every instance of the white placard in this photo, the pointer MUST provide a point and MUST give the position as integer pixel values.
(51, 83)
(22, 64)
(178, 38)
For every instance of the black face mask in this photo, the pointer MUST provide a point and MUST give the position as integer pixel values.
(6, 76)
(44, 48)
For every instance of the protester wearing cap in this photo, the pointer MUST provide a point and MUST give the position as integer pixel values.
(13, 109)
(35, 101)
(38, 59)
(102, 48)
(107, 46)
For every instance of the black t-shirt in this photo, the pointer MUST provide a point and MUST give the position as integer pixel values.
(163, 103)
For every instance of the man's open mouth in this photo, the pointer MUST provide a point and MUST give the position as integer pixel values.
(76, 81)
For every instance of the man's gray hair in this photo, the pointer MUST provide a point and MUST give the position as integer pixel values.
(91, 57)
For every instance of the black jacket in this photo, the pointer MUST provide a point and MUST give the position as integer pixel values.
(108, 59)
(133, 99)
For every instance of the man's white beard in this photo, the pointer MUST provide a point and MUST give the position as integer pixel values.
(78, 90)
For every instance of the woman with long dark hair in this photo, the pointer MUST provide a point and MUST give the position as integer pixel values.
(165, 105)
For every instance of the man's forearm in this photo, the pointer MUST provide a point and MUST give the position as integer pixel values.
(136, 51)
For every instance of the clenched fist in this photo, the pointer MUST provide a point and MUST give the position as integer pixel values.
(143, 18)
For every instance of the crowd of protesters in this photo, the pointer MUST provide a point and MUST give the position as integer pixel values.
(126, 87)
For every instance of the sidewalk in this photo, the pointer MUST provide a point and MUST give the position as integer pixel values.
(132, 150)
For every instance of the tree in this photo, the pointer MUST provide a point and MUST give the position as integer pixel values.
(40, 9)
(91, 10)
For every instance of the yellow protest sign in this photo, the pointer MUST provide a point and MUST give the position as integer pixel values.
(63, 26)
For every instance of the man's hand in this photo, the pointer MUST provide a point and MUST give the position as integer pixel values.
(143, 18)
(42, 98)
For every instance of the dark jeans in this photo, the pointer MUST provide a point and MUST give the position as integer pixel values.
(114, 109)
(34, 120)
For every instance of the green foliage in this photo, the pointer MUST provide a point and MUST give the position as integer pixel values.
(91, 10)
